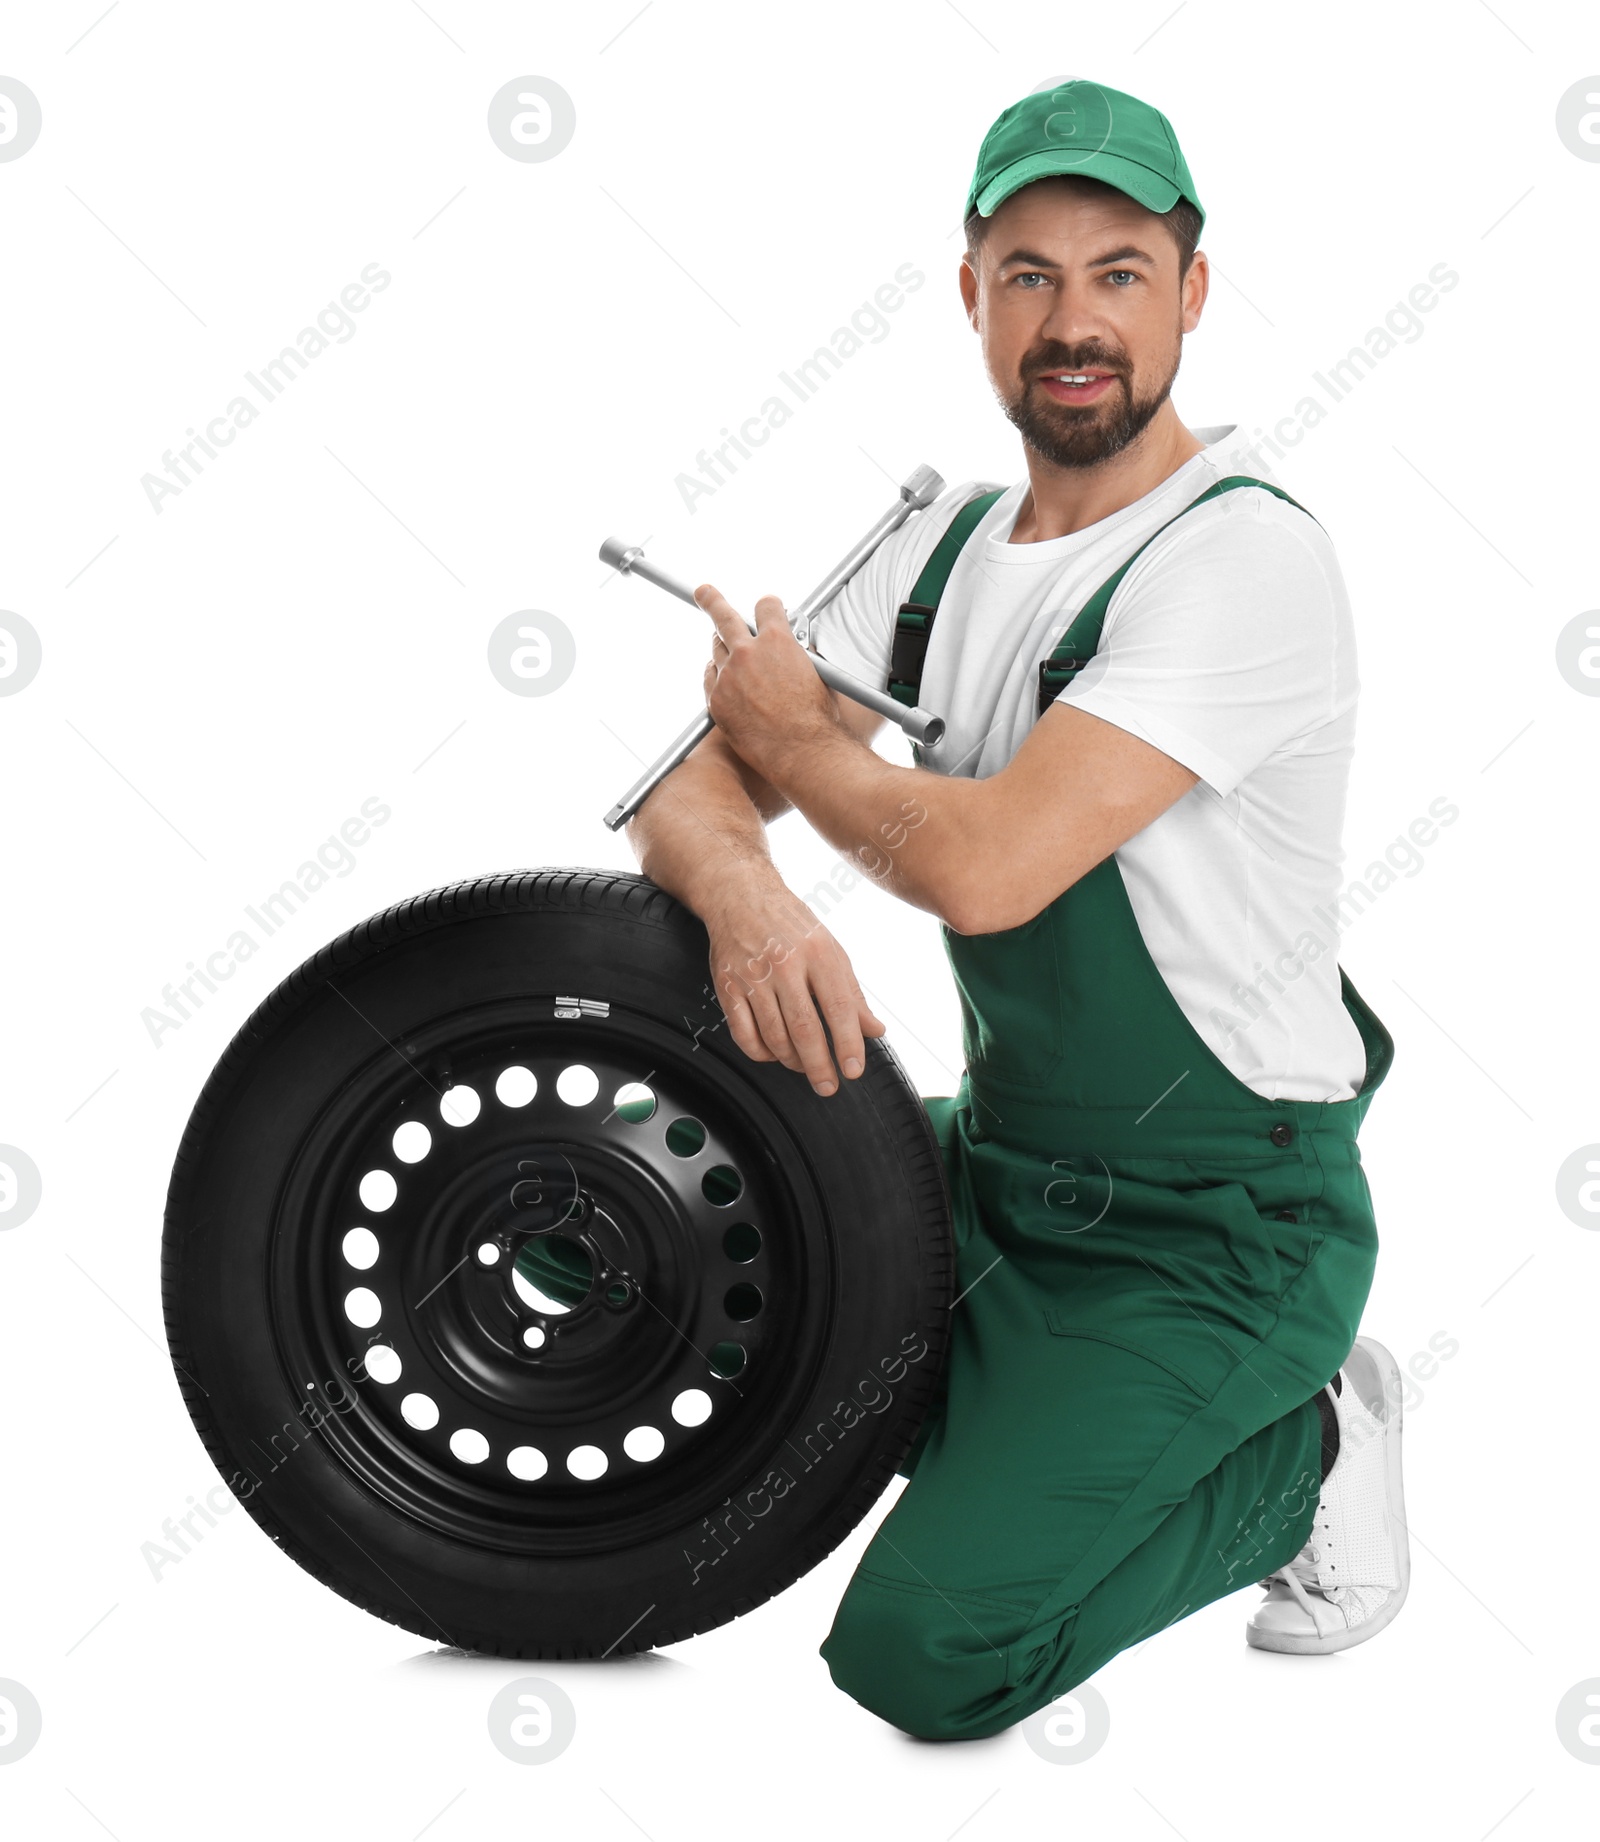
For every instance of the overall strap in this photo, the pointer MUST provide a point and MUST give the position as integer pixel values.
(1077, 644)
(914, 620)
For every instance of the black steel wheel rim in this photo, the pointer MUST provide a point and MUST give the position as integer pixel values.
(674, 1296)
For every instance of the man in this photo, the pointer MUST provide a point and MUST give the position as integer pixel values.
(1154, 1395)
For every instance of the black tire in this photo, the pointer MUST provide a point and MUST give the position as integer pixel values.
(848, 1292)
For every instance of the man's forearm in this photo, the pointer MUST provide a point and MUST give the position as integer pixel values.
(917, 834)
(786, 988)
(703, 832)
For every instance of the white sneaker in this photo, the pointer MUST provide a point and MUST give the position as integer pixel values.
(1352, 1576)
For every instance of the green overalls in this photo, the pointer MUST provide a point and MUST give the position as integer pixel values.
(1157, 1269)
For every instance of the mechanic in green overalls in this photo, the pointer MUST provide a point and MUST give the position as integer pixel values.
(1130, 833)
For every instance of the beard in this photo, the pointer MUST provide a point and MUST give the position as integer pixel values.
(1069, 436)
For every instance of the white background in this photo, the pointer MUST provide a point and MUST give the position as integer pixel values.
(305, 627)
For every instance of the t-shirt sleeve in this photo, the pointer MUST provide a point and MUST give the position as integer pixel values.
(1228, 638)
(855, 631)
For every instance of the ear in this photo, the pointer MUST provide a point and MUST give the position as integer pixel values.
(969, 291)
(1196, 286)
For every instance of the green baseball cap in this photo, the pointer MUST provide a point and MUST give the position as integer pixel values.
(1071, 125)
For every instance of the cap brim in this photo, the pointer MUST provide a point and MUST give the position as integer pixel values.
(1146, 188)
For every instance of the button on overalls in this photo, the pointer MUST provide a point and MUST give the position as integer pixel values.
(1157, 1269)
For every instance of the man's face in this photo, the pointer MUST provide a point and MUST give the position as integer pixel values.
(1079, 280)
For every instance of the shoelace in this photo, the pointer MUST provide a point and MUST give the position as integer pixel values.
(1301, 1573)
(1304, 1571)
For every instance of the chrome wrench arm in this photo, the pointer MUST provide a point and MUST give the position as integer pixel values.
(920, 489)
(630, 560)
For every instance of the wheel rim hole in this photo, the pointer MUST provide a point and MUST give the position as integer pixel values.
(692, 1407)
(469, 1445)
(488, 1254)
(618, 1294)
(643, 1444)
(634, 1102)
(459, 1105)
(533, 1337)
(363, 1307)
(551, 1264)
(527, 1462)
(361, 1248)
(516, 1087)
(377, 1191)
(412, 1142)
(742, 1302)
(742, 1242)
(586, 1462)
(420, 1411)
(577, 1085)
(727, 1359)
(721, 1185)
(383, 1364)
(685, 1137)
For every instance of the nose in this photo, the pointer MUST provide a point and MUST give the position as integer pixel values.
(1074, 319)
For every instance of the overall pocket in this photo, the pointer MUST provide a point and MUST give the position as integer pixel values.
(1182, 1266)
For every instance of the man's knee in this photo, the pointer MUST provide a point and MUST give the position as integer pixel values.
(922, 1662)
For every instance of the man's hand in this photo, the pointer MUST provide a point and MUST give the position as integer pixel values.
(775, 967)
(762, 691)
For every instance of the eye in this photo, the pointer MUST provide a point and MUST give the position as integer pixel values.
(1131, 274)
(1026, 274)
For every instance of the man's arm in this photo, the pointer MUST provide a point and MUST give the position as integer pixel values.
(986, 855)
(982, 855)
(701, 835)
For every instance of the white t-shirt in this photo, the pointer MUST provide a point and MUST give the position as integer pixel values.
(1228, 645)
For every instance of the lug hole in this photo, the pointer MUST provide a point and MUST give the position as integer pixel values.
(721, 1185)
(459, 1105)
(577, 1085)
(516, 1087)
(742, 1242)
(742, 1302)
(727, 1359)
(685, 1137)
(634, 1102)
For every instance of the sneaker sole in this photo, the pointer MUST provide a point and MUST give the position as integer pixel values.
(1288, 1644)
